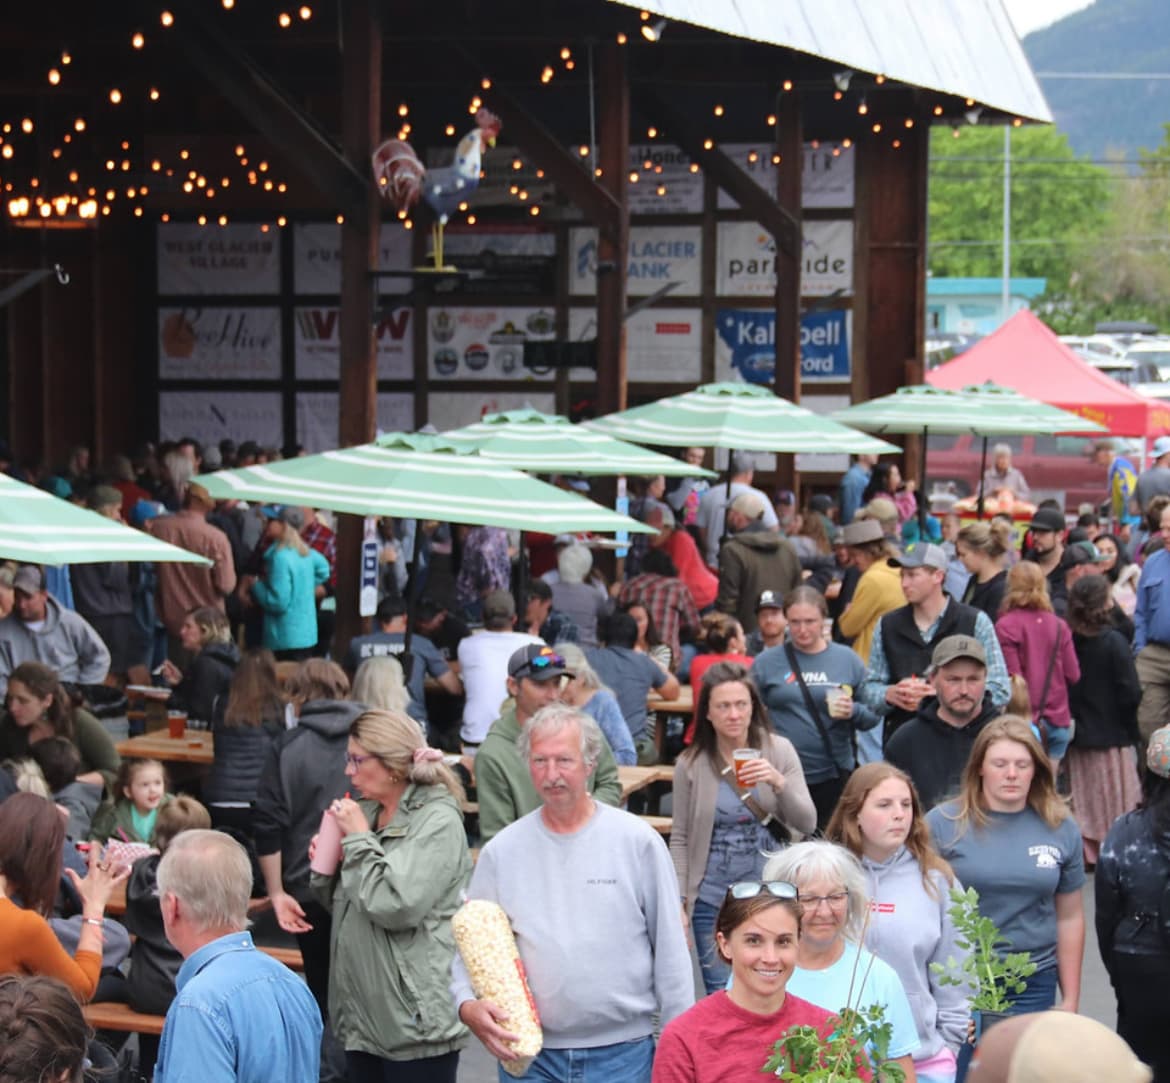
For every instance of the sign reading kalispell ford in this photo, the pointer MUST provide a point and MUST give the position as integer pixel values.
(745, 346)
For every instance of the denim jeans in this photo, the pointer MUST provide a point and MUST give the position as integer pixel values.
(715, 970)
(629, 1062)
(1038, 996)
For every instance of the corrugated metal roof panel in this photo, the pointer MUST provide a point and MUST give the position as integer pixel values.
(962, 47)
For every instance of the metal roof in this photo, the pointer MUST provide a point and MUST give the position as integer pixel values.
(963, 47)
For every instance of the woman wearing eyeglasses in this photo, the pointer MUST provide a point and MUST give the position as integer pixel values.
(726, 1037)
(404, 865)
(833, 970)
(880, 821)
(717, 836)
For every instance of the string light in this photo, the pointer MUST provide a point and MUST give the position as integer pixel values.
(622, 39)
(566, 52)
(908, 122)
(167, 18)
(718, 110)
(775, 159)
(877, 128)
(54, 76)
(305, 12)
(879, 79)
(202, 219)
(154, 94)
(450, 129)
(138, 40)
(79, 125)
(786, 85)
(6, 150)
(862, 107)
(708, 144)
(223, 220)
(26, 126)
(534, 211)
(485, 84)
(938, 110)
(284, 19)
(471, 219)
(583, 151)
(546, 75)
(115, 96)
(771, 120)
(66, 58)
(228, 4)
(403, 109)
(694, 167)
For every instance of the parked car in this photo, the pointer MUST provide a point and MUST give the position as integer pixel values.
(1151, 368)
(1054, 466)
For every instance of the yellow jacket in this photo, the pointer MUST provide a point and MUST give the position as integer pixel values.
(878, 591)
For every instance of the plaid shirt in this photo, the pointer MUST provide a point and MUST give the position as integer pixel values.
(669, 603)
(318, 536)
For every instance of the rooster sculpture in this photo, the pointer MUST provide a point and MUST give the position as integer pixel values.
(402, 178)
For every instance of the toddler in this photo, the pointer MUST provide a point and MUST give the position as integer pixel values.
(143, 785)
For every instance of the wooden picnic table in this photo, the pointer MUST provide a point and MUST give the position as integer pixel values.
(683, 703)
(640, 778)
(196, 746)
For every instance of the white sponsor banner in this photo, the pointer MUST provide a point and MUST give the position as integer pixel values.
(826, 179)
(231, 259)
(319, 416)
(658, 255)
(484, 343)
(454, 409)
(665, 183)
(663, 345)
(210, 416)
(219, 343)
(317, 343)
(317, 257)
(746, 259)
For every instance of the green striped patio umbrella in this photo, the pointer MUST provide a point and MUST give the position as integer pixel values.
(545, 443)
(416, 476)
(1025, 414)
(39, 528)
(736, 416)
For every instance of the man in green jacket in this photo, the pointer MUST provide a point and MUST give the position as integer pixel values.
(502, 779)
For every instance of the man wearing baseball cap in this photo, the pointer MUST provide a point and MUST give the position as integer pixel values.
(755, 558)
(1047, 549)
(771, 624)
(503, 782)
(933, 747)
(906, 637)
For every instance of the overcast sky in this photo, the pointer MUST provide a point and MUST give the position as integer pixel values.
(1028, 15)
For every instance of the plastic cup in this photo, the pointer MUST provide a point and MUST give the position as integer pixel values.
(839, 701)
(327, 856)
(177, 724)
(740, 758)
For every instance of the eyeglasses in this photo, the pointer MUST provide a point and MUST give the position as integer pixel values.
(356, 761)
(749, 889)
(836, 901)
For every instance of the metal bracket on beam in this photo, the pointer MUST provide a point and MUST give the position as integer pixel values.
(274, 114)
(750, 196)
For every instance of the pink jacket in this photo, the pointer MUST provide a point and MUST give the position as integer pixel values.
(1027, 637)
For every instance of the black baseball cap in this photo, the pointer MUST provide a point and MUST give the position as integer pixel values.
(536, 662)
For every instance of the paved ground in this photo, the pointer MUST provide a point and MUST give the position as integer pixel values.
(476, 1066)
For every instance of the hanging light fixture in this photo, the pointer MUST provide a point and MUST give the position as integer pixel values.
(652, 32)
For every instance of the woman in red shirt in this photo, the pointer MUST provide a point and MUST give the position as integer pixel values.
(727, 1036)
(725, 642)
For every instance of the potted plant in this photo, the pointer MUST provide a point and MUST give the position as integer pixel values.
(992, 975)
(853, 1046)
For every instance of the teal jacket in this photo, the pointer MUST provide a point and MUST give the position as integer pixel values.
(504, 786)
(392, 944)
(287, 594)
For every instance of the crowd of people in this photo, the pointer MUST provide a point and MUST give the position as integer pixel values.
(887, 706)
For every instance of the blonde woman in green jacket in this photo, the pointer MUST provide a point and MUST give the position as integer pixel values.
(404, 865)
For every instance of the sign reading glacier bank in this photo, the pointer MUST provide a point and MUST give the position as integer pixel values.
(745, 346)
(658, 255)
(746, 259)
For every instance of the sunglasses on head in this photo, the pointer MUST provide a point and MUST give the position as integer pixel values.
(542, 661)
(749, 889)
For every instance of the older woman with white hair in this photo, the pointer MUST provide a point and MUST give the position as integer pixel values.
(574, 596)
(584, 690)
(833, 971)
(378, 683)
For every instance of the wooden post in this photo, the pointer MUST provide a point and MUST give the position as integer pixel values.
(613, 245)
(361, 120)
(790, 147)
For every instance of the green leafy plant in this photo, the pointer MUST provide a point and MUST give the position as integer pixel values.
(853, 1041)
(993, 975)
(857, 1042)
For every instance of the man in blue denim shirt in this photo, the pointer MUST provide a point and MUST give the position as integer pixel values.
(239, 1015)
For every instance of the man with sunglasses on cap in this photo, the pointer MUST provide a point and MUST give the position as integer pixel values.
(503, 784)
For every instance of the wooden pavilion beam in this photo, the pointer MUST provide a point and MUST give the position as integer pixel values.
(361, 36)
(681, 129)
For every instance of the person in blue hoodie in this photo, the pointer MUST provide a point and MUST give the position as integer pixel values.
(880, 821)
(293, 576)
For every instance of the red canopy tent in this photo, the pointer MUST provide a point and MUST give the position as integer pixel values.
(1025, 355)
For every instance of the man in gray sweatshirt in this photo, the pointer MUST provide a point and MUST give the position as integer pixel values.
(592, 897)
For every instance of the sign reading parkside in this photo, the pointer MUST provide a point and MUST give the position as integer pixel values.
(658, 255)
(745, 346)
(747, 259)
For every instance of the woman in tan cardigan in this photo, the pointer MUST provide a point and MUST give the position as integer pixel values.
(718, 837)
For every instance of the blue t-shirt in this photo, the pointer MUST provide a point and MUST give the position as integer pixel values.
(1018, 864)
(427, 662)
(629, 675)
(829, 989)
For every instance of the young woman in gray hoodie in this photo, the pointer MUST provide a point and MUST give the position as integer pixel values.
(879, 819)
